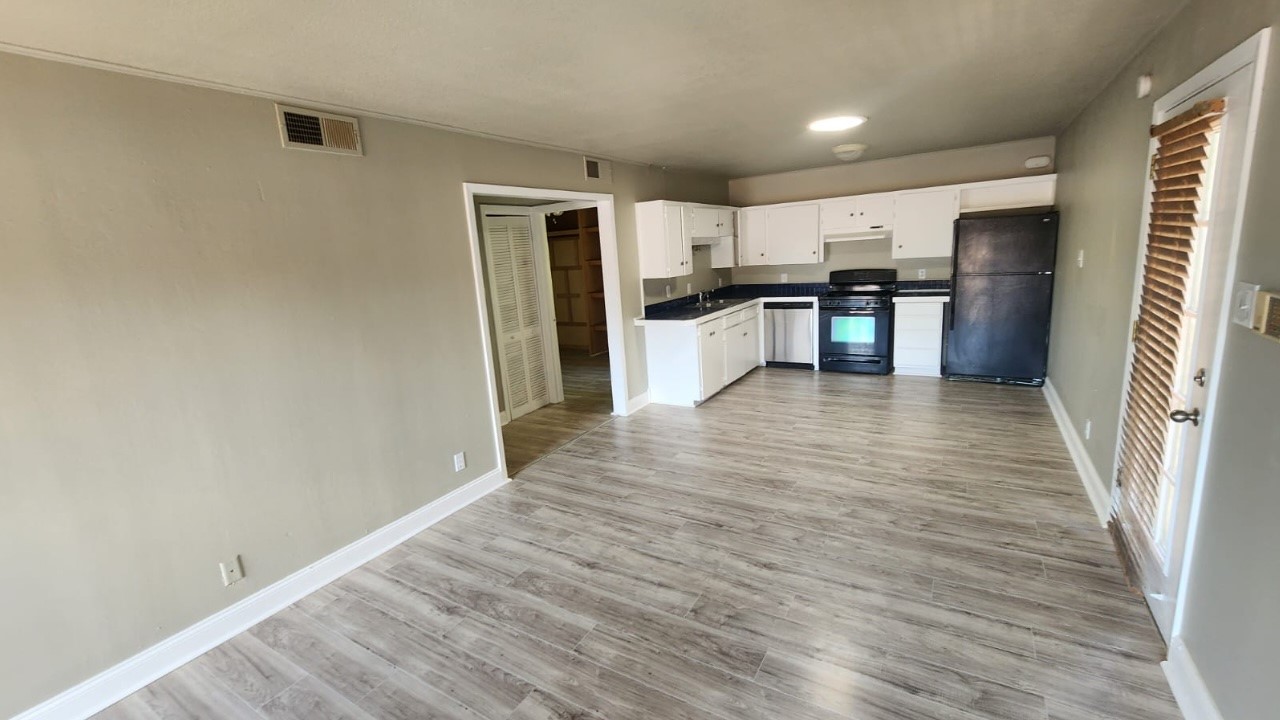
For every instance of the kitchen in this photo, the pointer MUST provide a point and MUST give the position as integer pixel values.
(977, 308)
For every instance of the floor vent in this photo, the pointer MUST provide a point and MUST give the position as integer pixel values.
(312, 130)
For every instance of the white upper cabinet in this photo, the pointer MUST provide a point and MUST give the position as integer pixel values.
(752, 248)
(666, 246)
(923, 223)
(870, 215)
(703, 222)
(725, 221)
(792, 235)
(1027, 192)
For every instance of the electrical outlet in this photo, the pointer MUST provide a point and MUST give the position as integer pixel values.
(668, 291)
(459, 461)
(719, 282)
(1080, 259)
(232, 571)
(922, 274)
(1088, 429)
(784, 277)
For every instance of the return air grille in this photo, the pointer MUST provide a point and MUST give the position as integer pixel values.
(311, 130)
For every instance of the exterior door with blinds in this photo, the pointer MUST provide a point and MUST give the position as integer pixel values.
(1198, 156)
(517, 313)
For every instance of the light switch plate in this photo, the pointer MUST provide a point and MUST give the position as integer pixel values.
(1243, 301)
(1080, 259)
(459, 462)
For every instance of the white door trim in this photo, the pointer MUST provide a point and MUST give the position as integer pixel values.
(546, 294)
(612, 289)
(1251, 52)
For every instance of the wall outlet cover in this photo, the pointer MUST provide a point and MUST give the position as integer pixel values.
(459, 461)
(232, 571)
(784, 277)
(688, 288)
(1080, 259)
(1088, 429)
(1243, 304)
(922, 273)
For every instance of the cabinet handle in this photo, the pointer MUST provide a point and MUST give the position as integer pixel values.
(744, 334)
(877, 227)
(712, 334)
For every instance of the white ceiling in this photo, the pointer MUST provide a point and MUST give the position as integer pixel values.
(721, 85)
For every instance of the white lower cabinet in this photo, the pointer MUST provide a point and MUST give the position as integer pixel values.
(691, 361)
(711, 358)
(917, 336)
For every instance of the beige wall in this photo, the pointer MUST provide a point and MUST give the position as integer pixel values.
(211, 345)
(984, 162)
(948, 167)
(703, 277)
(1234, 582)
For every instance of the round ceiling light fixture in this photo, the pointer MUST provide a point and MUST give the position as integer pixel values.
(849, 152)
(837, 123)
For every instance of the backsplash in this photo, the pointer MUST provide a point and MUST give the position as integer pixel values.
(755, 290)
(850, 255)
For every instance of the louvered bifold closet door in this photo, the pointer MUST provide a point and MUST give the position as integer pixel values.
(1174, 235)
(517, 313)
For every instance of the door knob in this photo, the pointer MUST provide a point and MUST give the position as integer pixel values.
(1181, 416)
(1199, 377)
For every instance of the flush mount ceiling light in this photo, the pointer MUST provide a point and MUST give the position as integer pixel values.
(849, 152)
(837, 123)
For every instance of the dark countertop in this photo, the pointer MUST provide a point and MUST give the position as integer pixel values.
(685, 308)
(693, 311)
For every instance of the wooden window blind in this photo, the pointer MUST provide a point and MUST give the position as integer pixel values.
(1178, 172)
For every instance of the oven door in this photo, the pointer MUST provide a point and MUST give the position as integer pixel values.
(855, 339)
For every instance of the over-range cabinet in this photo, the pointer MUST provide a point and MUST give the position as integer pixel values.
(1001, 297)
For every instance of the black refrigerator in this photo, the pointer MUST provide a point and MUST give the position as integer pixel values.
(1001, 295)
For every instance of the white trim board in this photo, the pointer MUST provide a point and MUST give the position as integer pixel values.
(1188, 686)
(118, 682)
(1099, 492)
(637, 402)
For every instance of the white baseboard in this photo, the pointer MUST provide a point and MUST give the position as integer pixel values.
(637, 402)
(116, 683)
(1188, 686)
(1099, 491)
(504, 417)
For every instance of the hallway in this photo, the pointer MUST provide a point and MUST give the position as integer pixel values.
(587, 405)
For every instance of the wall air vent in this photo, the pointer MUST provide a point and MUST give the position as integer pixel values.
(596, 169)
(313, 130)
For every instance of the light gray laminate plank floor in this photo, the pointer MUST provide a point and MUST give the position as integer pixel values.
(802, 546)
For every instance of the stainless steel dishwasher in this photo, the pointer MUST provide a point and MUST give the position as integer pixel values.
(788, 334)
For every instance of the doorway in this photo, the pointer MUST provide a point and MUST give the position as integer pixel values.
(548, 265)
(1202, 141)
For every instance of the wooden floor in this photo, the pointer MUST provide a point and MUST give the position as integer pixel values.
(803, 546)
(588, 404)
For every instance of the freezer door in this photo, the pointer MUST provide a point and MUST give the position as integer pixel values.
(1000, 326)
(1011, 244)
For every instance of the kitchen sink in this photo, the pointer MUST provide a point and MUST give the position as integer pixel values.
(712, 304)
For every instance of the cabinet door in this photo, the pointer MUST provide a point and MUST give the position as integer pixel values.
(746, 343)
(875, 212)
(923, 223)
(724, 222)
(724, 253)
(711, 358)
(793, 235)
(703, 222)
(839, 215)
(752, 246)
(678, 225)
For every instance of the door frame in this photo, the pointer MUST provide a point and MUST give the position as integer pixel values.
(546, 296)
(604, 203)
(1252, 51)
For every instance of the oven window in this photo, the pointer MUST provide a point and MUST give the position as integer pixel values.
(854, 330)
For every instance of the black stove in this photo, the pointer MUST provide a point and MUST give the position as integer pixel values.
(855, 322)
